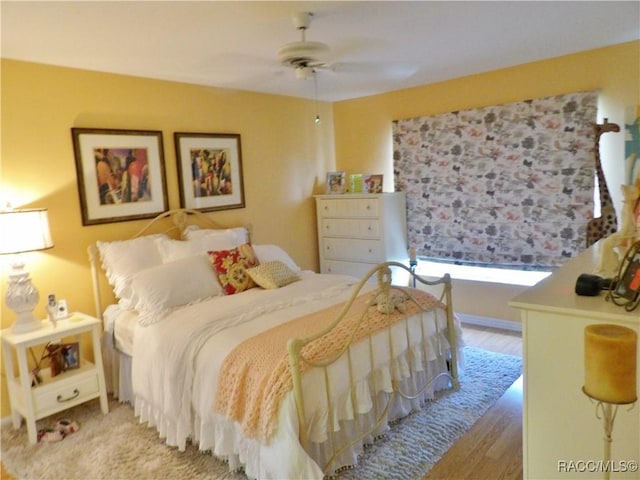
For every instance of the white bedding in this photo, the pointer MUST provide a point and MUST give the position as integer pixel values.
(176, 360)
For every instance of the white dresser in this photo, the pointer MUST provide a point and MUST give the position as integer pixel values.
(562, 438)
(357, 231)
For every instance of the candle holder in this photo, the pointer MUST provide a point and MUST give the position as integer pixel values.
(610, 353)
(607, 412)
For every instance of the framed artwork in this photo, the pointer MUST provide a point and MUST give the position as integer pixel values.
(71, 355)
(372, 183)
(209, 170)
(120, 174)
(355, 183)
(628, 286)
(336, 182)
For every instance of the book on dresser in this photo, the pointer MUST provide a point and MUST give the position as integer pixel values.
(358, 231)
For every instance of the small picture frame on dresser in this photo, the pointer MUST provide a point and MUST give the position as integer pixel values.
(336, 182)
(629, 285)
(372, 183)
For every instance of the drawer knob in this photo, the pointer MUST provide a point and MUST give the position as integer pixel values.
(61, 399)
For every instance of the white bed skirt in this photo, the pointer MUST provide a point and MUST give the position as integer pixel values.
(119, 382)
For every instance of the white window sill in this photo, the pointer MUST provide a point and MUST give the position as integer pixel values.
(481, 274)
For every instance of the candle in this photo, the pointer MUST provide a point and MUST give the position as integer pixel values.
(412, 254)
(610, 363)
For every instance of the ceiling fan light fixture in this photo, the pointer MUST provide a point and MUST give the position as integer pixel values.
(304, 73)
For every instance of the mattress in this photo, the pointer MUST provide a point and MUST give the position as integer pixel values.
(121, 325)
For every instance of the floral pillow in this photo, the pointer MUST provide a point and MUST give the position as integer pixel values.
(231, 267)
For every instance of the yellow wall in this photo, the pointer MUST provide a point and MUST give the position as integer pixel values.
(285, 159)
(363, 127)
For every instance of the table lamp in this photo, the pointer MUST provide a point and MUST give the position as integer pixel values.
(23, 231)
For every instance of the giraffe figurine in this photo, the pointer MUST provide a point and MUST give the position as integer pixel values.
(606, 223)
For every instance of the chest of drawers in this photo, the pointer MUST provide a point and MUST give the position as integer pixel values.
(357, 231)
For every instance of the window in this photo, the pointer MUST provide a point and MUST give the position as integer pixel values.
(509, 185)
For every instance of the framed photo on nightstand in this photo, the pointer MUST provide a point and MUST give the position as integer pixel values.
(71, 355)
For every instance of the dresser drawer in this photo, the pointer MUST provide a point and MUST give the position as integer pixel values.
(72, 391)
(346, 227)
(353, 250)
(348, 207)
(354, 269)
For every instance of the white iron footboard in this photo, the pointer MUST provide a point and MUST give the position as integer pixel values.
(384, 289)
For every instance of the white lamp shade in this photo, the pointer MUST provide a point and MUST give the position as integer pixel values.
(24, 231)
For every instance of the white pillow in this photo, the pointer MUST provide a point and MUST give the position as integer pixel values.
(238, 235)
(171, 250)
(173, 284)
(272, 253)
(122, 259)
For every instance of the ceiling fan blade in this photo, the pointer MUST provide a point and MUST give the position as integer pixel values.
(396, 70)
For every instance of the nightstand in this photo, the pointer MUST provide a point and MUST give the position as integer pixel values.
(54, 394)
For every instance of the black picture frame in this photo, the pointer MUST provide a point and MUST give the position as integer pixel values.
(120, 173)
(209, 171)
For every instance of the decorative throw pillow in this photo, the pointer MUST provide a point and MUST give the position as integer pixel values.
(231, 267)
(272, 275)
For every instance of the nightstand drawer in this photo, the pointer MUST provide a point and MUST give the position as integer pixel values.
(65, 394)
(344, 227)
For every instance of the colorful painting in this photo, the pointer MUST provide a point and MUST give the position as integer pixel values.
(210, 170)
(120, 174)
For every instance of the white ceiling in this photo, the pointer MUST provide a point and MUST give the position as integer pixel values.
(377, 46)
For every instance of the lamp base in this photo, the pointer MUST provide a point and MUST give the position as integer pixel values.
(26, 323)
(22, 297)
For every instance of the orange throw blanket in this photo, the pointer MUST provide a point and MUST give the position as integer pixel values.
(255, 376)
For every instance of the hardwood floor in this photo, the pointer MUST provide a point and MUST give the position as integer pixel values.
(492, 449)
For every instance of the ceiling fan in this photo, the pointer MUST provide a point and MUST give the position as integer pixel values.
(307, 57)
(304, 56)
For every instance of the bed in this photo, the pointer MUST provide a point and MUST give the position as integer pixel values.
(278, 371)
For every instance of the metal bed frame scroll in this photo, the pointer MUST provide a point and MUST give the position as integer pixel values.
(385, 288)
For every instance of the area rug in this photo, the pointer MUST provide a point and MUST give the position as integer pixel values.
(116, 446)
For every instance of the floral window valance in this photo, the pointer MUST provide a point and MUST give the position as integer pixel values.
(507, 185)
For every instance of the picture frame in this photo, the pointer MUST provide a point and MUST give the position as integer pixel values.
(355, 183)
(71, 355)
(628, 285)
(120, 173)
(336, 182)
(210, 171)
(372, 183)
